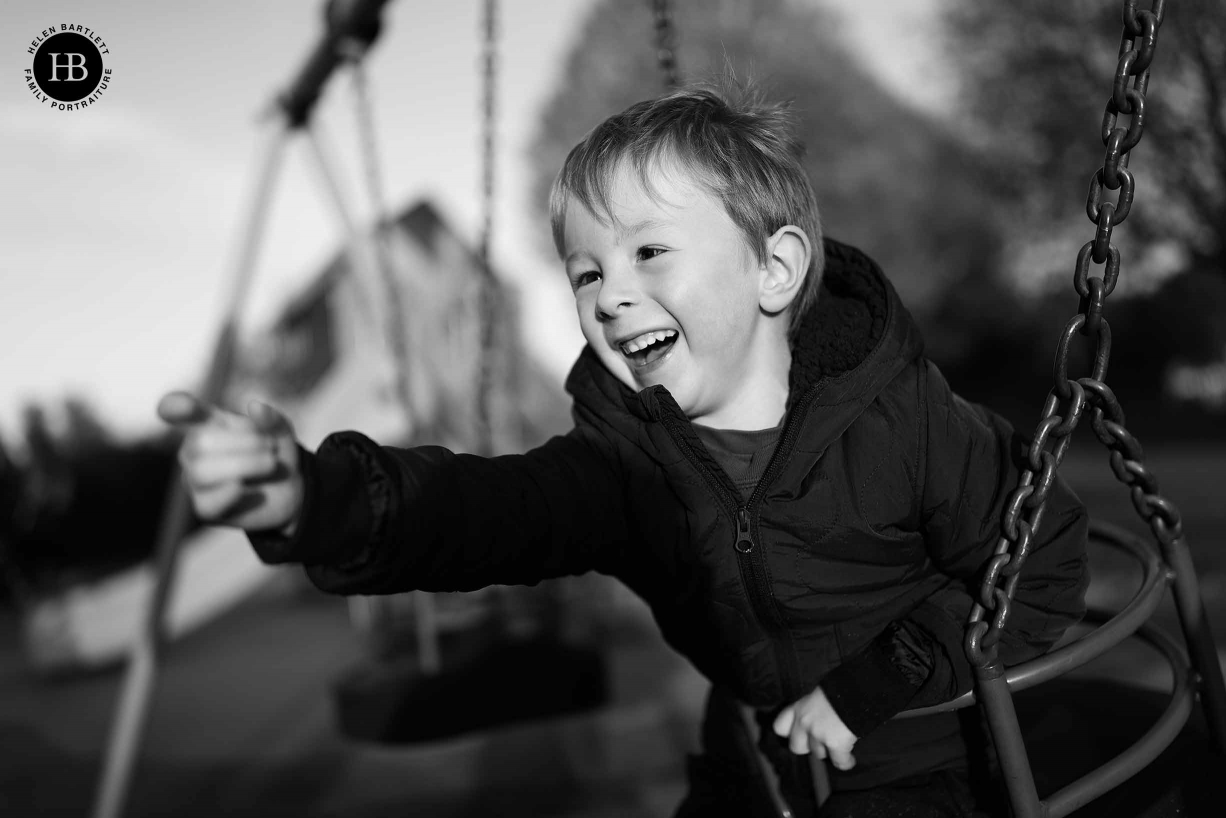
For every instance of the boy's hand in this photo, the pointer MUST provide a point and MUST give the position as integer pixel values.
(811, 725)
(240, 470)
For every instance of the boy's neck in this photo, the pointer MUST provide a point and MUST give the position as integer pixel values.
(764, 414)
(761, 402)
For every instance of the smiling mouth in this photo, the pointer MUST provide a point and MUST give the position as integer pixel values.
(648, 347)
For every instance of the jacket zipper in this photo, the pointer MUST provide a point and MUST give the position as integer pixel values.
(751, 561)
(744, 537)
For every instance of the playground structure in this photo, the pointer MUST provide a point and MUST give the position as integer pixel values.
(353, 27)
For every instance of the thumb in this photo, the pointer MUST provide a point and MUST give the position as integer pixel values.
(783, 722)
(841, 757)
(268, 419)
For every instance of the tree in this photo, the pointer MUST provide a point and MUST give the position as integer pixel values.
(879, 166)
(1038, 75)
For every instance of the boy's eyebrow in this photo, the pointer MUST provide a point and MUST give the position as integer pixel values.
(623, 230)
(648, 223)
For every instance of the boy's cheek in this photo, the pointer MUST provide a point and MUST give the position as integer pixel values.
(593, 333)
(585, 308)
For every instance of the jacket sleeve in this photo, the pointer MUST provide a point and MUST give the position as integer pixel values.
(378, 519)
(970, 462)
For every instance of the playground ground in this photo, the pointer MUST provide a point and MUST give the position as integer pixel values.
(242, 723)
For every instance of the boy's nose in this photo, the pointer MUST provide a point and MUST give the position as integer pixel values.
(617, 292)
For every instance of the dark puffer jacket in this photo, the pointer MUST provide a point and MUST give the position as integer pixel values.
(849, 566)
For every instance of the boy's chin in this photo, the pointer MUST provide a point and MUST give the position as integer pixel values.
(636, 380)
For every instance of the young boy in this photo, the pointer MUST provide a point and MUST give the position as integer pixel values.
(760, 451)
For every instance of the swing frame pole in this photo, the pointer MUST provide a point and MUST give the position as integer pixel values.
(137, 689)
(347, 21)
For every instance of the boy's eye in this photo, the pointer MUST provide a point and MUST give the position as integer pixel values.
(648, 253)
(584, 278)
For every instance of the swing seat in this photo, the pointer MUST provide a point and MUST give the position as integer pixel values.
(1075, 724)
(1100, 747)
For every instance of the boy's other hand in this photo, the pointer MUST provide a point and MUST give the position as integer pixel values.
(810, 724)
(240, 470)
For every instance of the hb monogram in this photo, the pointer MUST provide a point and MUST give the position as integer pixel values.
(71, 65)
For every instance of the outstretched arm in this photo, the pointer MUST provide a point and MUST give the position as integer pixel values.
(379, 519)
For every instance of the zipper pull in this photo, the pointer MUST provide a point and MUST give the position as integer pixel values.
(744, 540)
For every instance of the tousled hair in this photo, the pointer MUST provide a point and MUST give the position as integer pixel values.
(740, 149)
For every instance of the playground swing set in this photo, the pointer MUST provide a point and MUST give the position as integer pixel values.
(352, 28)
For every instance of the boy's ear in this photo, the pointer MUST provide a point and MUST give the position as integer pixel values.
(787, 265)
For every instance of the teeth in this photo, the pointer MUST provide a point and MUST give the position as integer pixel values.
(645, 340)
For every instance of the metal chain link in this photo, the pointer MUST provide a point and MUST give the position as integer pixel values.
(666, 42)
(487, 295)
(1069, 398)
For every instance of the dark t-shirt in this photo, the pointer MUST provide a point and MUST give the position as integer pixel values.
(743, 455)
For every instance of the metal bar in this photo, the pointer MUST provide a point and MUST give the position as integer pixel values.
(821, 778)
(127, 730)
(1116, 628)
(773, 789)
(1147, 748)
(1007, 736)
(250, 243)
(425, 619)
(1201, 648)
(136, 692)
(1113, 630)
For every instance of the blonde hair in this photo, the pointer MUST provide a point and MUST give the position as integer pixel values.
(741, 150)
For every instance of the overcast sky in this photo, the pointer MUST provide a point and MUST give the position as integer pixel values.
(118, 223)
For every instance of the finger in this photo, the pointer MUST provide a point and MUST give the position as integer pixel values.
(183, 408)
(818, 749)
(207, 441)
(267, 419)
(842, 758)
(237, 467)
(783, 722)
(212, 504)
(798, 741)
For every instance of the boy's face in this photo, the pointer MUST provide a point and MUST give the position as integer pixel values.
(668, 293)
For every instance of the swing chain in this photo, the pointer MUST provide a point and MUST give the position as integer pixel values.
(355, 55)
(489, 67)
(1068, 398)
(486, 296)
(666, 42)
